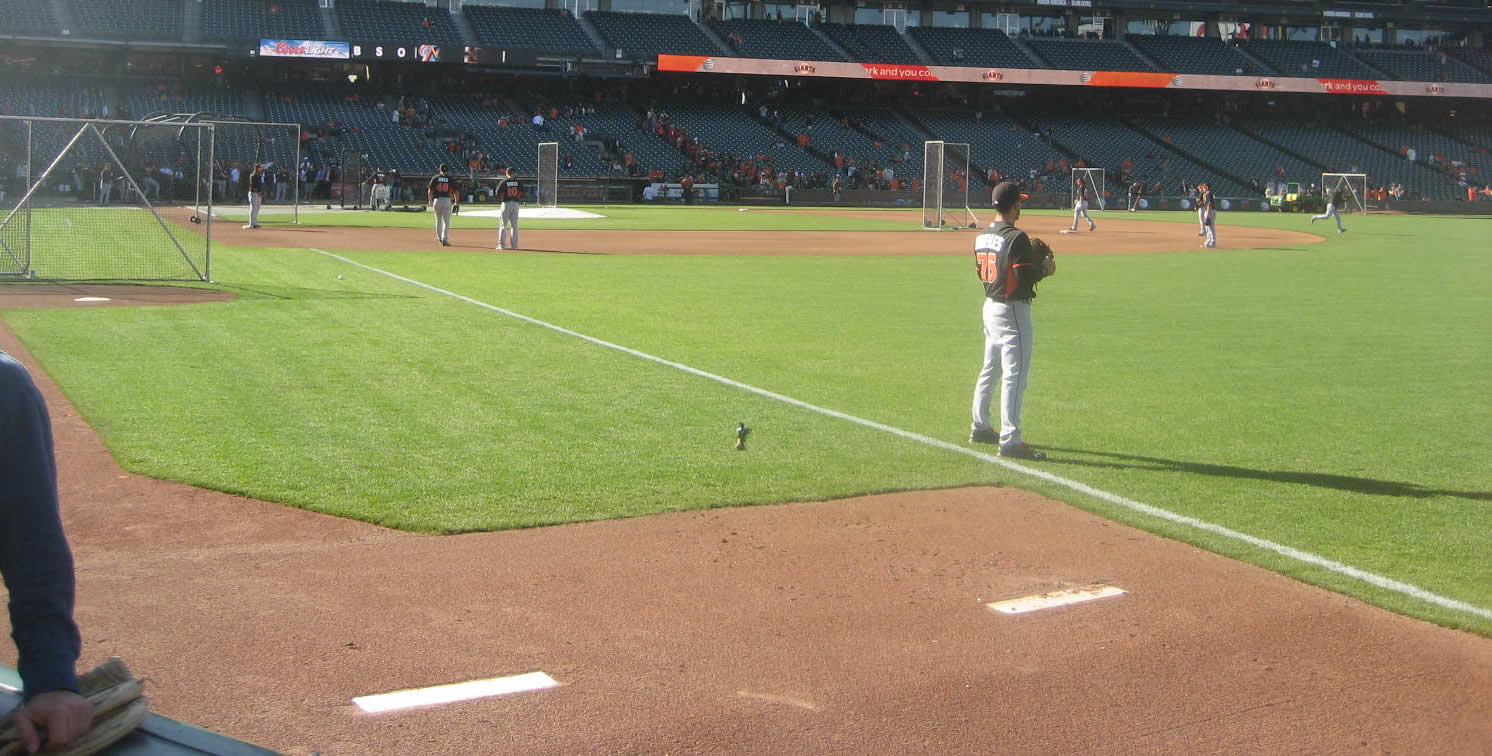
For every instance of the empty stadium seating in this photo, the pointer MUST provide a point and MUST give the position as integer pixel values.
(552, 30)
(127, 19)
(642, 36)
(237, 20)
(728, 131)
(364, 127)
(1481, 60)
(1197, 55)
(1107, 144)
(1430, 147)
(26, 17)
(971, 47)
(1339, 153)
(872, 43)
(621, 123)
(1310, 59)
(367, 21)
(1088, 55)
(145, 104)
(518, 144)
(830, 134)
(891, 130)
(1419, 65)
(994, 142)
(1231, 150)
(775, 39)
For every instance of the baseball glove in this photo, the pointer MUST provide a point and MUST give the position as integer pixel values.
(119, 706)
(1045, 255)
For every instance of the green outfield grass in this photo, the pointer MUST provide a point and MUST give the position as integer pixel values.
(617, 217)
(1332, 398)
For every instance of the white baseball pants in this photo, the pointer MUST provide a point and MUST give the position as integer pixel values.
(1209, 227)
(505, 240)
(1080, 210)
(1008, 339)
(255, 200)
(1201, 221)
(443, 219)
(1331, 212)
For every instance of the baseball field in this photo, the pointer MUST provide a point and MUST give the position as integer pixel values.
(1311, 403)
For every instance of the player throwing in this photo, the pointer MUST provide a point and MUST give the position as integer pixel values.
(1009, 265)
(1207, 209)
(256, 195)
(1080, 204)
(1332, 210)
(444, 195)
(511, 193)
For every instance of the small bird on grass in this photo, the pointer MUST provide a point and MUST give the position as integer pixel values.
(741, 432)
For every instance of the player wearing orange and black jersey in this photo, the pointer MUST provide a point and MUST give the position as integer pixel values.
(510, 191)
(444, 194)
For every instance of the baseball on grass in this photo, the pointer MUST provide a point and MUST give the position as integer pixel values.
(339, 278)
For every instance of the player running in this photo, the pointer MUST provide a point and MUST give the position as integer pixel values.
(1080, 205)
(1332, 210)
(1207, 209)
(511, 194)
(443, 193)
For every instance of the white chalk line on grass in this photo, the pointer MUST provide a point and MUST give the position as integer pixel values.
(1386, 583)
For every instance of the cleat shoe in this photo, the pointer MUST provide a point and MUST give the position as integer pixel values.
(984, 436)
(1021, 451)
(1341, 230)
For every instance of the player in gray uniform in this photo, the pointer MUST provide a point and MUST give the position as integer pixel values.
(443, 193)
(1080, 206)
(1009, 265)
(511, 194)
(1207, 209)
(1332, 211)
(256, 195)
(379, 194)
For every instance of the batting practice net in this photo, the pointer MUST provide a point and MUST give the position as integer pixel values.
(945, 186)
(1354, 188)
(548, 174)
(105, 200)
(1094, 178)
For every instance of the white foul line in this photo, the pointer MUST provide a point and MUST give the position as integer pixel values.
(455, 692)
(1386, 583)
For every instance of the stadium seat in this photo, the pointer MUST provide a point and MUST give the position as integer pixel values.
(552, 30)
(1108, 144)
(1199, 55)
(1088, 55)
(829, 134)
(1339, 153)
(1421, 65)
(643, 36)
(1430, 147)
(872, 43)
(971, 47)
(995, 142)
(28, 17)
(127, 19)
(777, 40)
(240, 20)
(629, 128)
(728, 131)
(367, 21)
(1309, 59)
(1231, 150)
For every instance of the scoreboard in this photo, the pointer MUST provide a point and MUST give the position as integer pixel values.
(396, 52)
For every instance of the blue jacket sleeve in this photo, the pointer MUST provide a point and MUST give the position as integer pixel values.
(34, 556)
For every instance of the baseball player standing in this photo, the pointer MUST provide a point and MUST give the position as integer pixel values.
(443, 194)
(379, 194)
(511, 194)
(1332, 210)
(1207, 209)
(1080, 206)
(1009, 265)
(1135, 189)
(256, 195)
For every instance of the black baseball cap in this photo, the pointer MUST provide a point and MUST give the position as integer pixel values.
(1006, 195)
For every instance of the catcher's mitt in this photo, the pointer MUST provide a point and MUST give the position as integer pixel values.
(1045, 255)
(119, 706)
